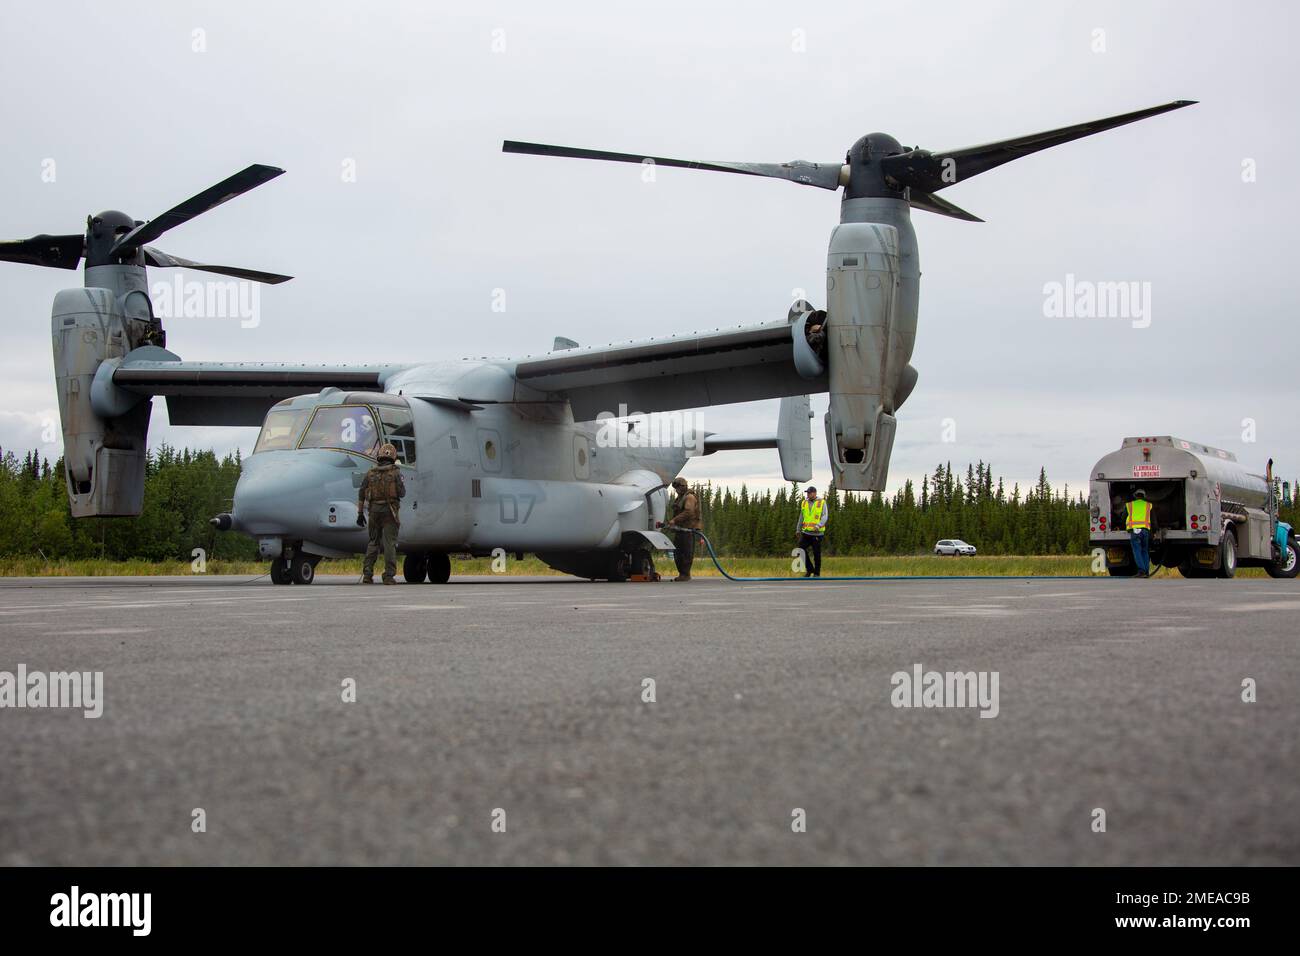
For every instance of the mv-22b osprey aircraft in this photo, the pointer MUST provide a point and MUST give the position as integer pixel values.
(506, 454)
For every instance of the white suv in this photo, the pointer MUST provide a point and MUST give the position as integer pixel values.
(954, 546)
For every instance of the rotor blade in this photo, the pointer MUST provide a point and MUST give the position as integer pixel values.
(156, 257)
(932, 203)
(57, 252)
(930, 172)
(822, 175)
(210, 198)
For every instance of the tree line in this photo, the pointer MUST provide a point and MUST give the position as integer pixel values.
(184, 488)
(1039, 520)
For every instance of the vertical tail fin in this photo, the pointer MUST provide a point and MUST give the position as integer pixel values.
(794, 438)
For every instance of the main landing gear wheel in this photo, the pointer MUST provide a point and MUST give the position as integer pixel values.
(626, 565)
(643, 562)
(619, 569)
(415, 567)
(439, 568)
(280, 572)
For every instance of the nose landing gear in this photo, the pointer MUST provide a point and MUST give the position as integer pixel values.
(299, 568)
(302, 568)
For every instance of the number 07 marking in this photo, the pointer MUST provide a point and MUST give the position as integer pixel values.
(511, 515)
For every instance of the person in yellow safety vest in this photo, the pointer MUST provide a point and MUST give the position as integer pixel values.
(812, 529)
(1137, 520)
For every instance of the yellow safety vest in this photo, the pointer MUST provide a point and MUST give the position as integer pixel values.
(812, 515)
(1139, 514)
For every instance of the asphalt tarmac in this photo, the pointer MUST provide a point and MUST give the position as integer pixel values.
(506, 721)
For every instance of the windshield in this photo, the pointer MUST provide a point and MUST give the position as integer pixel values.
(281, 429)
(349, 427)
(399, 430)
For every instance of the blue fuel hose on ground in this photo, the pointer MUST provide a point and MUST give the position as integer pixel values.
(896, 577)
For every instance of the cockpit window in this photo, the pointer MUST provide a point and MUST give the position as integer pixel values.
(281, 429)
(399, 430)
(349, 427)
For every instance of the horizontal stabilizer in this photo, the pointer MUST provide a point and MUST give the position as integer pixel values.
(793, 439)
(714, 443)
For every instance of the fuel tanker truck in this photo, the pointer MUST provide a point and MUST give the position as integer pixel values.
(1210, 515)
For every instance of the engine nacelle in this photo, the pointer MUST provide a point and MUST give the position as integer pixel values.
(104, 430)
(871, 328)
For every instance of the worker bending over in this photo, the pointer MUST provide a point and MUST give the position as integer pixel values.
(1137, 515)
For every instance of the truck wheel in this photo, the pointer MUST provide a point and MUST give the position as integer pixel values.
(1290, 566)
(1228, 554)
(415, 567)
(439, 568)
(1123, 571)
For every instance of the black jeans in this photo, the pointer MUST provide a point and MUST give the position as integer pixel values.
(684, 552)
(812, 553)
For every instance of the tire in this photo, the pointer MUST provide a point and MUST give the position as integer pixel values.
(1125, 571)
(643, 562)
(280, 572)
(302, 569)
(439, 568)
(415, 567)
(1290, 565)
(620, 569)
(1228, 554)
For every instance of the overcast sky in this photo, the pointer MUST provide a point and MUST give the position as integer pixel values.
(401, 264)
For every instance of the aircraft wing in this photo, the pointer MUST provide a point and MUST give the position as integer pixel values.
(234, 393)
(742, 364)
